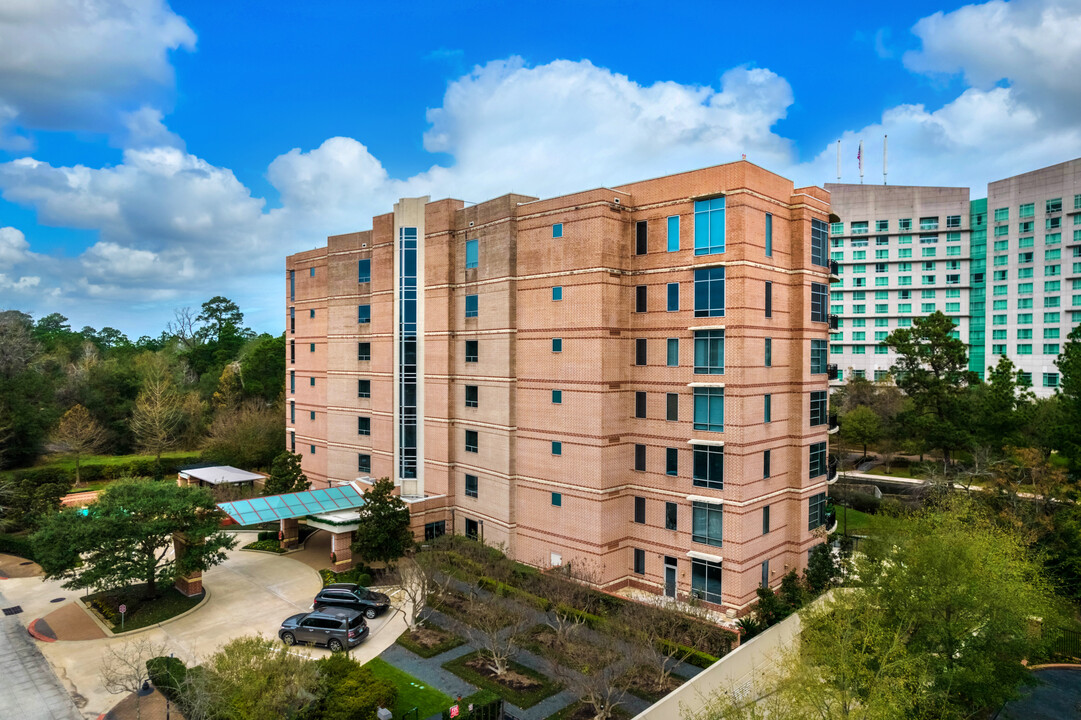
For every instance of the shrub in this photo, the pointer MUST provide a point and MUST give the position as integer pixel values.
(593, 622)
(360, 575)
(265, 546)
(14, 545)
(509, 591)
(268, 535)
(347, 691)
(689, 655)
(106, 609)
(167, 674)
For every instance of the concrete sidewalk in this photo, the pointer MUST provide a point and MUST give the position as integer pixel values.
(28, 688)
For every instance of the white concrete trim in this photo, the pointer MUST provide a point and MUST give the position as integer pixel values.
(706, 327)
(704, 556)
(705, 384)
(704, 499)
(712, 443)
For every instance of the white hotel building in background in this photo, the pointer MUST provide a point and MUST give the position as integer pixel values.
(1006, 269)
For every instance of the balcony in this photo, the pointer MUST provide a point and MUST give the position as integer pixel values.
(834, 321)
(831, 476)
(835, 271)
(832, 371)
(835, 426)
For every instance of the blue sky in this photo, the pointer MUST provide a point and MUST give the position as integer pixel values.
(153, 155)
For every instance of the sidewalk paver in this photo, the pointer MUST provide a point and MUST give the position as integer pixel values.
(28, 688)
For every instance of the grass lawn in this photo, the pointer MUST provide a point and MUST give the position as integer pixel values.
(898, 470)
(540, 687)
(141, 612)
(69, 463)
(858, 522)
(412, 693)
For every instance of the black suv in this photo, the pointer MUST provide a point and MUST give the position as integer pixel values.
(351, 595)
(337, 628)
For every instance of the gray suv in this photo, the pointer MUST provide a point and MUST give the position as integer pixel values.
(337, 628)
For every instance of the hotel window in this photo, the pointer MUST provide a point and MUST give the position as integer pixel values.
(816, 511)
(904, 253)
(769, 299)
(709, 292)
(670, 515)
(364, 463)
(769, 235)
(1052, 223)
(293, 412)
(472, 396)
(640, 457)
(292, 351)
(765, 463)
(557, 499)
(472, 306)
(928, 252)
(706, 580)
(471, 441)
(557, 230)
(707, 524)
(709, 352)
(1051, 318)
(364, 314)
(640, 298)
(904, 224)
(1052, 238)
(1050, 349)
(819, 356)
(998, 349)
(557, 397)
(557, 448)
(311, 381)
(471, 483)
(672, 352)
(819, 250)
(673, 233)
(672, 407)
(292, 285)
(1025, 242)
(364, 351)
(292, 319)
(708, 467)
(818, 302)
(640, 236)
(311, 450)
(837, 228)
(882, 307)
(928, 223)
(768, 352)
(671, 461)
(557, 293)
(292, 381)
(819, 403)
(709, 409)
(639, 404)
(364, 271)
(1002, 214)
(859, 227)
(881, 255)
(859, 309)
(1052, 270)
(1024, 349)
(639, 561)
(311, 273)
(1027, 210)
(364, 426)
(767, 408)
(1050, 380)
(472, 254)
(882, 225)
(709, 226)
(640, 510)
(953, 221)
(881, 240)
(639, 351)
(927, 307)
(557, 345)
(1050, 301)
(472, 351)
(673, 297)
(1026, 228)
(817, 461)
(364, 388)
(1024, 379)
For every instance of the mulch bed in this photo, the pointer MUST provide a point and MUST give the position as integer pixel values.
(542, 640)
(429, 640)
(519, 685)
(584, 711)
(642, 682)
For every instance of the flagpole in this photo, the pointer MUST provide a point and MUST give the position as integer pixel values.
(885, 158)
(859, 157)
(838, 161)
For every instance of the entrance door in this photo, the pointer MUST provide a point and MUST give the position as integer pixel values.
(472, 531)
(669, 576)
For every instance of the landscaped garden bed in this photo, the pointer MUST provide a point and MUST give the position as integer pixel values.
(588, 657)
(428, 640)
(584, 711)
(641, 682)
(457, 606)
(266, 546)
(141, 611)
(359, 575)
(519, 685)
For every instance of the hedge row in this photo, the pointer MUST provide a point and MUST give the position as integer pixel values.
(593, 622)
(92, 472)
(504, 590)
(15, 545)
(688, 655)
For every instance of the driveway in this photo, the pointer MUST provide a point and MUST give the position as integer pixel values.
(249, 593)
(28, 688)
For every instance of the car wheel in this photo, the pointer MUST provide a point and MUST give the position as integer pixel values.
(335, 645)
(288, 639)
(370, 613)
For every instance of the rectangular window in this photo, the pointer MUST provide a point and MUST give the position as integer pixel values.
(817, 463)
(557, 499)
(640, 457)
(557, 447)
(472, 254)
(672, 352)
(364, 426)
(673, 233)
(953, 221)
(472, 351)
(472, 396)
(471, 483)
(292, 381)
(640, 299)
(292, 285)
(709, 292)
(1050, 349)
(819, 251)
(671, 407)
(707, 523)
(640, 510)
(818, 302)
(364, 463)
(816, 511)
(472, 306)
(364, 271)
(769, 299)
(471, 441)
(670, 515)
(557, 293)
(1050, 380)
(765, 463)
(708, 467)
(837, 228)
(639, 351)
(706, 580)
(768, 352)
(311, 273)
(311, 381)
(673, 297)
(364, 314)
(364, 351)
(769, 235)
(1002, 214)
(640, 233)
(928, 223)
(767, 408)
(709, 226)
(709, 409)
(709, 352)
(311, 450)
(557, 230)
(639, 561)
(671, 461)
(819, 407)
(639, 404)
(819, 356)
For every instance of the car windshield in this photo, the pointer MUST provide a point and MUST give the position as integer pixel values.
(365, 594)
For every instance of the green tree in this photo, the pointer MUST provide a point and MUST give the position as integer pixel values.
(78, 434)
(861, 426)
(1069, 367)
(249, 436)
(251, 679)
(1002, 406)
(220, 317)
(348, 691)
(286, 475)
(158, 414)
(821, 570)
(933, 371)
(383, 534)
(263, 367)
(126, 535)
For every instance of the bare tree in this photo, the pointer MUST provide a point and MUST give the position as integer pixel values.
(184, 327)
(494, 628)
(664, 636)
(423, 587)
(603, 689)
(77, 434)
(887, 452)
(157, 416)
(571, 598)
(123, 667)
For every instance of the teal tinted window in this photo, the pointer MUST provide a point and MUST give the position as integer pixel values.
(673, 297)
(472, 253)
(557, 499)
(557, 397)
(709, 409)
(673, 233)
(709, 292)
(709, 226)
(673, 352)
(557, 293)
(557, 448)
(471, 306)
(364, 271)
(557, 230)
(769, 235)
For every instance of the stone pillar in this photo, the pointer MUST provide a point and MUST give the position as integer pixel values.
(192, 583)
(340, 548)
(290, 533)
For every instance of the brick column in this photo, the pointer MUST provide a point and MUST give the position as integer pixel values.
(340, 543)
(192, 584)
(290, 533)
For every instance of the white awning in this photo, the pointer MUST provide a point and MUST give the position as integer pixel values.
(704, 499)
(704, 556)
(220, 475)
(714, 443)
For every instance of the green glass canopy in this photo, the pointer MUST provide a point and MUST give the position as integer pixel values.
(293, 505)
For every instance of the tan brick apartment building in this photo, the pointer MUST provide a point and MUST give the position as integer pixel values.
(634, 376)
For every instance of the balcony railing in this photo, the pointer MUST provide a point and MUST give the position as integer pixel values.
(835, 268)
(835, 426)
(832, 466)
(835, 322)
(832, 371)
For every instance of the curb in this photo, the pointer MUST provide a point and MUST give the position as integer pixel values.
(128, 633)
(36, 635)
